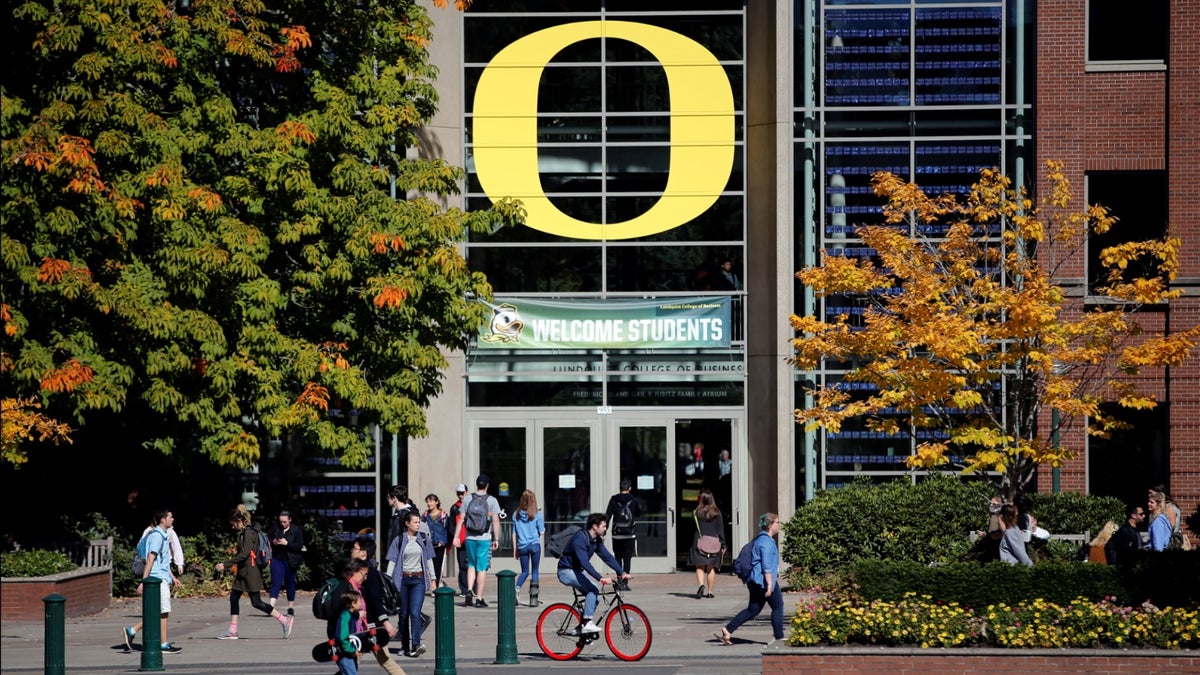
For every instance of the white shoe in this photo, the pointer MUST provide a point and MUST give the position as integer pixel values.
(590, 627)
(518, 595)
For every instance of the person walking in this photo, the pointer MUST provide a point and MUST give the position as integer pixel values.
(481, 524)
(371, 588)
(763, 582)
(287, 546)
(155, 547)
(342, 627)
(708, 543)
(437, 521)
(1125, 543)
(528, 528)
(413, 576)
(622, 512)
(248, 578)
(1160, 522)
(458, 541)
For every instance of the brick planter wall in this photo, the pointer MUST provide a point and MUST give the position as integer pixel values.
(841, 660)
(87, 591)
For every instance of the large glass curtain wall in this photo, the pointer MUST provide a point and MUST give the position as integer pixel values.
(604, 143)
(932, 92)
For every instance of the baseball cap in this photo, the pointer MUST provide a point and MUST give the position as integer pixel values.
(483, 479)
(461, 487)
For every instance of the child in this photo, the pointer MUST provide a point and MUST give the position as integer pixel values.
(341, 628)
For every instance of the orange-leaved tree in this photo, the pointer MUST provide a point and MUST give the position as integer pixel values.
(966, 338)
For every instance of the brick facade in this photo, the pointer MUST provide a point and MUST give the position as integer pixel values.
(87, 592)
(1131, 119)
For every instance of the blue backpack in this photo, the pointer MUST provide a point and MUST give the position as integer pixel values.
(744, 563)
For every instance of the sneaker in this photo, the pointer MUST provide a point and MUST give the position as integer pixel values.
(228, 635)
(287, 626)
(291, 611)
(700, 592)
(127, 635)
(590, 627)
(470, 599)
(481, 603)
(171, 649)
(418, 651)
(518, 595)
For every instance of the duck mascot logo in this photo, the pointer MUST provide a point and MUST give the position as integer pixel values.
(506, 324)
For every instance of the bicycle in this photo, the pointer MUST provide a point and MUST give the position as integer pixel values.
(625, 628)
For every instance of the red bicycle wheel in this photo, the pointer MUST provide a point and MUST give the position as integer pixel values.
(627, 631)
(556, 631)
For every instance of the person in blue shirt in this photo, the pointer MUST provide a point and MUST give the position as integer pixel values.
(1160, 523)
(528, 527)
(575, 565)
(157, 551)
(763, 583)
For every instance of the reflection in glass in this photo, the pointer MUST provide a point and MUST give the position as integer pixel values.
(503, 454)
(567, 454)
(644, 454)
(551, 269)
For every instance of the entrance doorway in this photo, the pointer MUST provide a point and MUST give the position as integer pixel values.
(574, 466)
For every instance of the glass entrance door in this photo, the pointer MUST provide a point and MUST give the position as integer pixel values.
(642, 459)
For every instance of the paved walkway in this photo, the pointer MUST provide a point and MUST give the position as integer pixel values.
(682, 625)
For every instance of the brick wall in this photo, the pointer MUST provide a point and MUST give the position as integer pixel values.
(1132, 120)
(87, 592)
(838, 661)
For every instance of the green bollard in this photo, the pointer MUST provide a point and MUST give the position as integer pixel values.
(443, 647)
(151, 625)
(56, 634)
(506, 637)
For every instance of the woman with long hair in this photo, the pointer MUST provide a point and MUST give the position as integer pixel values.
(1012, 544)
(1160, 522)
(249, 578)
(528, 528)
(439, 531)
(708, 543)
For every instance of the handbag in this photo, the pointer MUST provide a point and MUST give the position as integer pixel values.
(707, 544)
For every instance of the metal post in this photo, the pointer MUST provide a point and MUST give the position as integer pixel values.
(1055, 440)
(443, 611)
(56, 634)
(151, 625)
(506, 636)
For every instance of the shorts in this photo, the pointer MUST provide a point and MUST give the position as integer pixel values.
(164, 597)
(479, 554)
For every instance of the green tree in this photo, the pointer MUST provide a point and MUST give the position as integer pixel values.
(948, 320)
(211, 224)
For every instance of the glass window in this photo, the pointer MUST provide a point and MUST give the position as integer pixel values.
(1118, 31)
(503, 454)
(551, 269)
(665, 268)
(866, 57)
(1138, 199)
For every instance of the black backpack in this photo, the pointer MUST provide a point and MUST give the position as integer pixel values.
(391, 596)
(475, 515)
(623, 521)
(558, 542)
(324, 604)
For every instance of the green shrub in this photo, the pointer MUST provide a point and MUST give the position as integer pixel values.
(1075, 513)
(34, 563)
(1165, 579)
(974, 585)
(926, 522)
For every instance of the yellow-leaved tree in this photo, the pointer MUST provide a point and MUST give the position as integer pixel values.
(965, 337)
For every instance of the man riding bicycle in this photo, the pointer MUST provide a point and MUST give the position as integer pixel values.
(576, 560)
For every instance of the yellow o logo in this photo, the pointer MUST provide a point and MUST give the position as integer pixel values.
(702, 139)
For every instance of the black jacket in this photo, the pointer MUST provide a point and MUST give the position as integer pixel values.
(293, 551)
(1123, 546)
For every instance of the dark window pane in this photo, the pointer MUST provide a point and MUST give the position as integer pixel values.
(720, 35)
(535, 394)
(1117, 31)
(958, 122)
(639, 128)
(1138, 199)
(637, 89)
(665, 268)
(723, 221)
(484, 37)
(863, 123)
(544, 270)
(569, 89)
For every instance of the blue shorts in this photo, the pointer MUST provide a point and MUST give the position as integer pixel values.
(479, 554)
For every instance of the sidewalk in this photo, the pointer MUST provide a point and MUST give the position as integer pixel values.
(682, 626)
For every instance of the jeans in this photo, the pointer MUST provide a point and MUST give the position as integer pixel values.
(282, 575)
(530, 556)
(412, 597)
(348, 666)
(758, 599)
(584, 583)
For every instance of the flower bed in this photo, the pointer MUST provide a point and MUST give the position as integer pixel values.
(923, 622)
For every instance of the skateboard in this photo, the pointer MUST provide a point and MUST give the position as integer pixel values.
(367, 641)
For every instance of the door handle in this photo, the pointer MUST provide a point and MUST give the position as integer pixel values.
(671, 510)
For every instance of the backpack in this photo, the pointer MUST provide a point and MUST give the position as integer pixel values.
(391, 596)
(324, 604)
(744, 563)
(260, 557)
(558, 543)
(475, 516)
(437, 529)
(623, 520)
(139, 557)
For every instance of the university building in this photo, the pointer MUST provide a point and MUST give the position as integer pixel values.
(679, 162)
